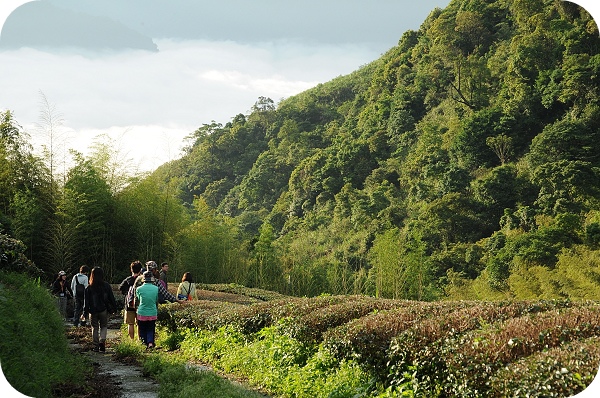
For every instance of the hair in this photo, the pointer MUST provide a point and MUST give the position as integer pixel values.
(187, 277)
(84, 269)
(163, 264)
(136, 267)
(97, 276)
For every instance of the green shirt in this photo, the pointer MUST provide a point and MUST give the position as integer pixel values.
(147, 296)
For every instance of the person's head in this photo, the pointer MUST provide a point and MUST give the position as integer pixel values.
(136, 267)
(152, 267)
(84, 269)
(164, 267)
(148, 277)
(97, 276)
(187, 277)
(62, 275)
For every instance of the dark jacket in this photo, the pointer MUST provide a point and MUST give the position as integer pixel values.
(98, 299)
(57, 289)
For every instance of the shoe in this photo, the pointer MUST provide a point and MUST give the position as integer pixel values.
(96, 348)
(102, 347)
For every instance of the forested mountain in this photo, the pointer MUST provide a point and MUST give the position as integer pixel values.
(463, 163)
(469, 150)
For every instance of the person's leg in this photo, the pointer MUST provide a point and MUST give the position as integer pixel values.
(77, 311)
(103, 318)
(95, 322)
(62, 301)
(130, 321)
(142, 331)
(151, 333)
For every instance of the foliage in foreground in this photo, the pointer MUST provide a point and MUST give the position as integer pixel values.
(34, 353)
(332, 346)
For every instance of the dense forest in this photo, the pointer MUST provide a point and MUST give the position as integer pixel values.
(464, 164)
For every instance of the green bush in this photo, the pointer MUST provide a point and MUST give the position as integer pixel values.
(276, 362)
(417, 347)
(558, 372)
(33, 346)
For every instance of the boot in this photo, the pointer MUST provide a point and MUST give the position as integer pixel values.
(102, 347)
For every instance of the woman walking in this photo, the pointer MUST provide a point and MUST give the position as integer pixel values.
(147, 310)
(98, 302)
(187, 288)
(61, 289)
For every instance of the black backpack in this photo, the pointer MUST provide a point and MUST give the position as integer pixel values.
(79, 288)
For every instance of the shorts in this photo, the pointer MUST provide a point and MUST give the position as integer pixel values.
(130, 317)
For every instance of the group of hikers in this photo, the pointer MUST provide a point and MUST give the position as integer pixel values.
(143, 291)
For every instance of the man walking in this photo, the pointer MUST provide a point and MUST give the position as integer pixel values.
(78, 285)
(127, 288)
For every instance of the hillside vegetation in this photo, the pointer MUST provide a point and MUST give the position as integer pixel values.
(462, 164)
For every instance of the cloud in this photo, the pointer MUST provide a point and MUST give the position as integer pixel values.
(171, 92)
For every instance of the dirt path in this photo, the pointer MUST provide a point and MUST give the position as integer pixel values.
(112, 378)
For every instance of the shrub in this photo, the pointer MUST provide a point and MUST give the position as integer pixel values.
(260, 294)
(34, 353)
(310, 327)
(558, 372)
(367, 339)
(415, 348)
(472, 359)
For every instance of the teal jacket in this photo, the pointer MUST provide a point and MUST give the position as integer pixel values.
(147, 296)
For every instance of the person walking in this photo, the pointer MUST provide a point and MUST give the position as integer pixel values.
(127, 288)
(99, 302)
(62, 291)
(147, 310)
(78, 285)
(187, 288)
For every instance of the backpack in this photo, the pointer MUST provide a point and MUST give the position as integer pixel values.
(79, 288)
(130, 297)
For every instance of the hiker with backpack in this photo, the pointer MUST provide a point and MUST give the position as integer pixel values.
(127, 288)
(78, 285)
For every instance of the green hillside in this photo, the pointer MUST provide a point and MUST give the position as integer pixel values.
(463, 162)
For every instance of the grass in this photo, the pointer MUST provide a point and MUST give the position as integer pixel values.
(177, 378)
(34, 353)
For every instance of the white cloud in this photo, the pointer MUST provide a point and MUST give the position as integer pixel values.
(172, 92)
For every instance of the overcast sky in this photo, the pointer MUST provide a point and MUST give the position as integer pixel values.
(214, 60)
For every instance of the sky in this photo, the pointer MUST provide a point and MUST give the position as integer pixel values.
(149, 102)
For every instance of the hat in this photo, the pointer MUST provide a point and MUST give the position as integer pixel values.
(148, 276)
(61, 273)
(151, 265)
